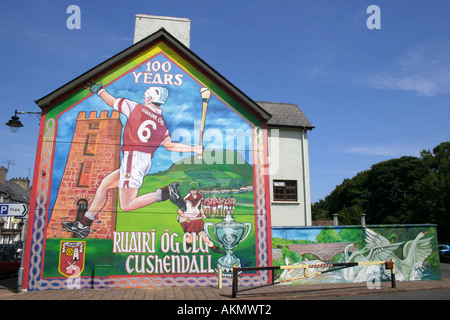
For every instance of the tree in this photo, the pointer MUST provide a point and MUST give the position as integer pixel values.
(407, 190)
(328, 235)
(395, 188)
(439, 163)
(348, 201)
(320, 211)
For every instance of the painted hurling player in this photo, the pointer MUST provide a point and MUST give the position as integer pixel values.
(144, 132)
(191, 216)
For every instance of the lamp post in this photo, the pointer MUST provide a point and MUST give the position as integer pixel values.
(14, 123)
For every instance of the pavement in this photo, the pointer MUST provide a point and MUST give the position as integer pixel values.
(271, 292)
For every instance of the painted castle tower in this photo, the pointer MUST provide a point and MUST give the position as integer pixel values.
(94, 153)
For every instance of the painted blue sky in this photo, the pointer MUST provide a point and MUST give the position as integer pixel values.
(372, 95)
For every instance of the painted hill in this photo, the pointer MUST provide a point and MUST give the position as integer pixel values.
(217, 170)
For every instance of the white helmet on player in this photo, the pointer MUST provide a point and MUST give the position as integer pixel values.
(156, 95)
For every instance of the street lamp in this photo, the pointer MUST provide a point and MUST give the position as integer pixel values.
(14, 124)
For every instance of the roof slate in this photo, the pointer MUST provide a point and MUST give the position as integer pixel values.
(15, 192)
(285, 115)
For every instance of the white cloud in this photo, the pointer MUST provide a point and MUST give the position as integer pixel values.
(380, 150)
(422, 86)
(388, 149)
(178, 114)
(424, 69)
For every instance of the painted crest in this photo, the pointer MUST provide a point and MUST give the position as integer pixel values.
(71, 258)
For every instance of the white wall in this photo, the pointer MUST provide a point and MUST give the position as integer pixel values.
(289, 160)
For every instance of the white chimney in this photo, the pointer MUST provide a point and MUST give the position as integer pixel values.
(145, 25)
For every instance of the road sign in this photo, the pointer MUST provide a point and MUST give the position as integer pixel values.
(13, 209)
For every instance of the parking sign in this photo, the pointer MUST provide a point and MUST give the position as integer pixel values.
(13, 209)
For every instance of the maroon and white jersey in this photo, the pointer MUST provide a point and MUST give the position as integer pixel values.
(193, 205)
(145, 130)
(194, 202)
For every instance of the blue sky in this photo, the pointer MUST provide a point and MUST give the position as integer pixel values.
(372, 95)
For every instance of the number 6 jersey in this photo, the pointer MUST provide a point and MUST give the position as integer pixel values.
(145, 129)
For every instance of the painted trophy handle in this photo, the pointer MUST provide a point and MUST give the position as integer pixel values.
(247, 225)
(206, 226)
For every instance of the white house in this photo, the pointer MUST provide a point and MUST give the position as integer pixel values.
(289, 165)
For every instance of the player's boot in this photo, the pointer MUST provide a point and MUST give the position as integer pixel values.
(175, 197)
(172, 193)
(76, 227)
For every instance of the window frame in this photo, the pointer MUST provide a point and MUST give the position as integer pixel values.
(85, 175)
(90, 147)
(285, 190)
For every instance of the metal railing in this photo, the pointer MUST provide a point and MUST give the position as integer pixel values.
(389, 265)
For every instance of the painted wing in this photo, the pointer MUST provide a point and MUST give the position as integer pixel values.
(381, 248)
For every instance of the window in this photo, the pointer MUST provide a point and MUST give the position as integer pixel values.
(94, 125)
(285, 190)
(91, 144)
(84, 179)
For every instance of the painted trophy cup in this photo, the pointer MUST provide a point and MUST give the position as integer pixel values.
(228, 234)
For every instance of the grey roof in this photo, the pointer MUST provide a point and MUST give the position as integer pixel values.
(15, 192)
(285, 115)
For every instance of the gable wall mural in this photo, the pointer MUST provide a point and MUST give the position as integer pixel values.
(151, 175)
